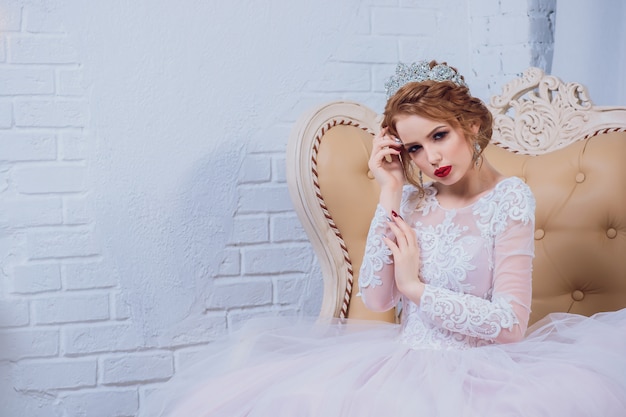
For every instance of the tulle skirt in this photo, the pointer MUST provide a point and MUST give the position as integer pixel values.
(568, 365)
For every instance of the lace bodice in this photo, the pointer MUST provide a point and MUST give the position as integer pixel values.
(476, 263)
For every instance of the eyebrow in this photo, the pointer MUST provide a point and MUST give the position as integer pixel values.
(408, 145)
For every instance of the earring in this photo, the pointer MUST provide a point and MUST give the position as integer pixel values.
(421, 179)
(477, 156)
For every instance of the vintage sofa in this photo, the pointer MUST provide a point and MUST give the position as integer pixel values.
(571, 153)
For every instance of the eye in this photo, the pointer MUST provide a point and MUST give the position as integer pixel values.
(414, 148)
(440, 135)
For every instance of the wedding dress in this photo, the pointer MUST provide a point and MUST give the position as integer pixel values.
(463, 351)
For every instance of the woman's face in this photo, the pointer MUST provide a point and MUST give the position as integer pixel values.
(438, 150)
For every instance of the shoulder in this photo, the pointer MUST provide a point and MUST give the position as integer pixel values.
(512, 191)
(510, 201)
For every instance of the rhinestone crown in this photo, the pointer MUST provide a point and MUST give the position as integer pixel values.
(421, 71)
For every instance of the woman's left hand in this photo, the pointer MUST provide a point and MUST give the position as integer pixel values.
(406, 259)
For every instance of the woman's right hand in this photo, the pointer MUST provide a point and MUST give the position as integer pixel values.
(385, 161)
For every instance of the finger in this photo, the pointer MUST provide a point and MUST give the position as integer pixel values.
(391, 245)
(407, 230)
(401, 239)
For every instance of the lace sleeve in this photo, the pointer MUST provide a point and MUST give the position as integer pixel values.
(468, 314)
(376, 278)
(504, 317)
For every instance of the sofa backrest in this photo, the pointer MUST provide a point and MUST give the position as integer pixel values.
(571, 153)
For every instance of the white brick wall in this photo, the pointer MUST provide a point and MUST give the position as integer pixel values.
(144, 209)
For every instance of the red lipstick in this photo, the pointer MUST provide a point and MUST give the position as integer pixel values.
(443, 172)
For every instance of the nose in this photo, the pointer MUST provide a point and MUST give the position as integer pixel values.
(432, 155)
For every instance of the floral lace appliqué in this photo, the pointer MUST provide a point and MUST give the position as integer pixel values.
(446, 261)
(466, 314)
(377, 253)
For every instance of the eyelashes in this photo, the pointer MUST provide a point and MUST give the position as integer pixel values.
(435, 137)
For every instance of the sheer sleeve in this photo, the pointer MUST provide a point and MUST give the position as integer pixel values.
(376, 278)
(502, 317)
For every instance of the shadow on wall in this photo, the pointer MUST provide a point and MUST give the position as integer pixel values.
(170, 312)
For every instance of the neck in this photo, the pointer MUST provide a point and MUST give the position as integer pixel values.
(478, 181)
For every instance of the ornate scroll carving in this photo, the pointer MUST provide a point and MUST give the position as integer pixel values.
(537, 113)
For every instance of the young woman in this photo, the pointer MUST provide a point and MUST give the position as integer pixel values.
(456, 254)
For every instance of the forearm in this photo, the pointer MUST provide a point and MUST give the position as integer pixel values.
(376, 278)
(497, 319)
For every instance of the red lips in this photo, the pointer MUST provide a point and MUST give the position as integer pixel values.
(443, 171)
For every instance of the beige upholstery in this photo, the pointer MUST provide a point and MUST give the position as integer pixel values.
(571, 154)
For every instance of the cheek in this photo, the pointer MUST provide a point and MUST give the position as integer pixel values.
(419, 160)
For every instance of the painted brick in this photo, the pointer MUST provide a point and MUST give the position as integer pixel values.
(201, 329)
(6, 112)
(509, 30)
(275, 137)
(29, 343)
(61, 374)
(294, 258)
(403, 21)
(3, 49)
(70, 82)
(72, 146)
(287, 228)
(70, 309)
(19, 81)
(31, 279)
(276, 141)
(489, 58)
(230, 264)
(60, 243)
(239, 317)
(100, 338)
(42, 20)
(41, 49)
(50, 179)
(135, 368)
(540, 30)
(366, 49)
(11, 17)
(187, 357)
(288, 288)
(121, 308)
(341, 76)
(380, 75)
(279, 169)
(515, 59)
(480, 30)
(13, 313)
(77, 210)
(101, 403)
(264, 198)
(80, 276)
(519, 8)
(27, 146)
(255, 169)
(250, 229)
(484, 7)
(51, 113)
(239, 294)
(31, 211)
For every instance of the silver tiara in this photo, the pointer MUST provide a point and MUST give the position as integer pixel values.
(421, 71)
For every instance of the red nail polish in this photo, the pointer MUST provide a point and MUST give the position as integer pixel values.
(393, 213)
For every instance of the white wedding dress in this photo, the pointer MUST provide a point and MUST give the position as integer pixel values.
(463, 351)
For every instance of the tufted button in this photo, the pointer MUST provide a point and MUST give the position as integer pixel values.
(539, 234)
(370, 175)
(611, 233)
(580, 177)
(578, 295)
